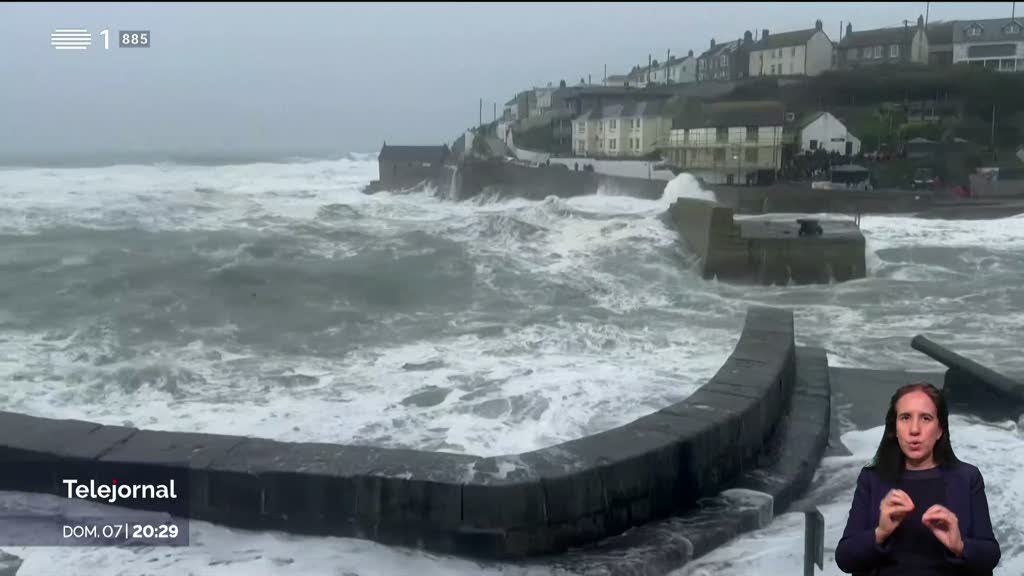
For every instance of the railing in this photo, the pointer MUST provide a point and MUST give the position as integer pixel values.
(957, 362)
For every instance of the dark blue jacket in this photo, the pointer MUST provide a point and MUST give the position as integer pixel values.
(857, 551)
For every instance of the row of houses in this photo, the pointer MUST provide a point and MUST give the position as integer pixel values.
(722, 142)
(996, 43)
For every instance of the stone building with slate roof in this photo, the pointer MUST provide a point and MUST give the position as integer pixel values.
(903, 44)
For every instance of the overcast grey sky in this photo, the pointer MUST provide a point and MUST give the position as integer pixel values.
(309, 79)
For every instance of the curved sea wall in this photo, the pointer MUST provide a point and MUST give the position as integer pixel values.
(499, 507)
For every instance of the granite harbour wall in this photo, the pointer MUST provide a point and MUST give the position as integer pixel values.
(513, 506)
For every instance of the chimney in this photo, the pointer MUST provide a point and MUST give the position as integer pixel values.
(747, 37)
(849, 28)
(690, 54)
(817, 24)
(712, 42)
(764, 33)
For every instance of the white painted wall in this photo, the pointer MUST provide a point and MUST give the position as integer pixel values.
(830, 133)
(628, 168)
(819, 54)
(919, 47)
(787, 61)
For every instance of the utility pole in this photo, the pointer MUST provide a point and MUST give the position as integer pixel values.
(495, 111)
(480, 121)
(605, 74)
(668, 59)
(992, 142)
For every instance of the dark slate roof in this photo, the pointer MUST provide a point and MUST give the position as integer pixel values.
(991, 30)
(785, 39)
(431, 154)
(881, 36)
(643, 108)
(940, 33)
(720, 49)
(728, 114)
(806, 119)
(631, 109)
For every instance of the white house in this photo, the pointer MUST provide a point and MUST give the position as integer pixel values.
(541, 100)
(627, 130)
(997, 44)
(675, 71)
(637, 77)
(823, 131)
(799, 53)
(617, 80)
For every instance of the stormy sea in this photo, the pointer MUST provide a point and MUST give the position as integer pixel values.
(278, 300)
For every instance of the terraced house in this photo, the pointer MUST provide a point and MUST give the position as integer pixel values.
(798, 53)
(630, 130)
(904, 44)
(728, 142)
(726, 61)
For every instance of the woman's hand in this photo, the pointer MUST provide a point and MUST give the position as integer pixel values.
(945, 526)
(894, 508)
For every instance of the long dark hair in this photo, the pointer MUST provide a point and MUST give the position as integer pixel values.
(889, 461)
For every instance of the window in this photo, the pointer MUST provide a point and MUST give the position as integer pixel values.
(611, 144)
(581, 145)
(790, 67)
(611, 124)
(894, 51)
(721, 134)
(773, 69)
(792, 51)
(719, 155)
(1013, 28)
(814, 144)
(750, 155)
(851, 54)
(974, 31)
(751, 133)
(878, 52)
(778, 53)
(723, 61)
(579, 127)
(686, 136)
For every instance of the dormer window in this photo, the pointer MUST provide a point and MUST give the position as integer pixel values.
(1012, 28)
(974, 31)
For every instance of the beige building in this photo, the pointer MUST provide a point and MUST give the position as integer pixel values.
(728, 142)
(627, 130)
(800, 53)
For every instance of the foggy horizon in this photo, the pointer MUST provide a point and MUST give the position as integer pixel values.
(301, 80)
